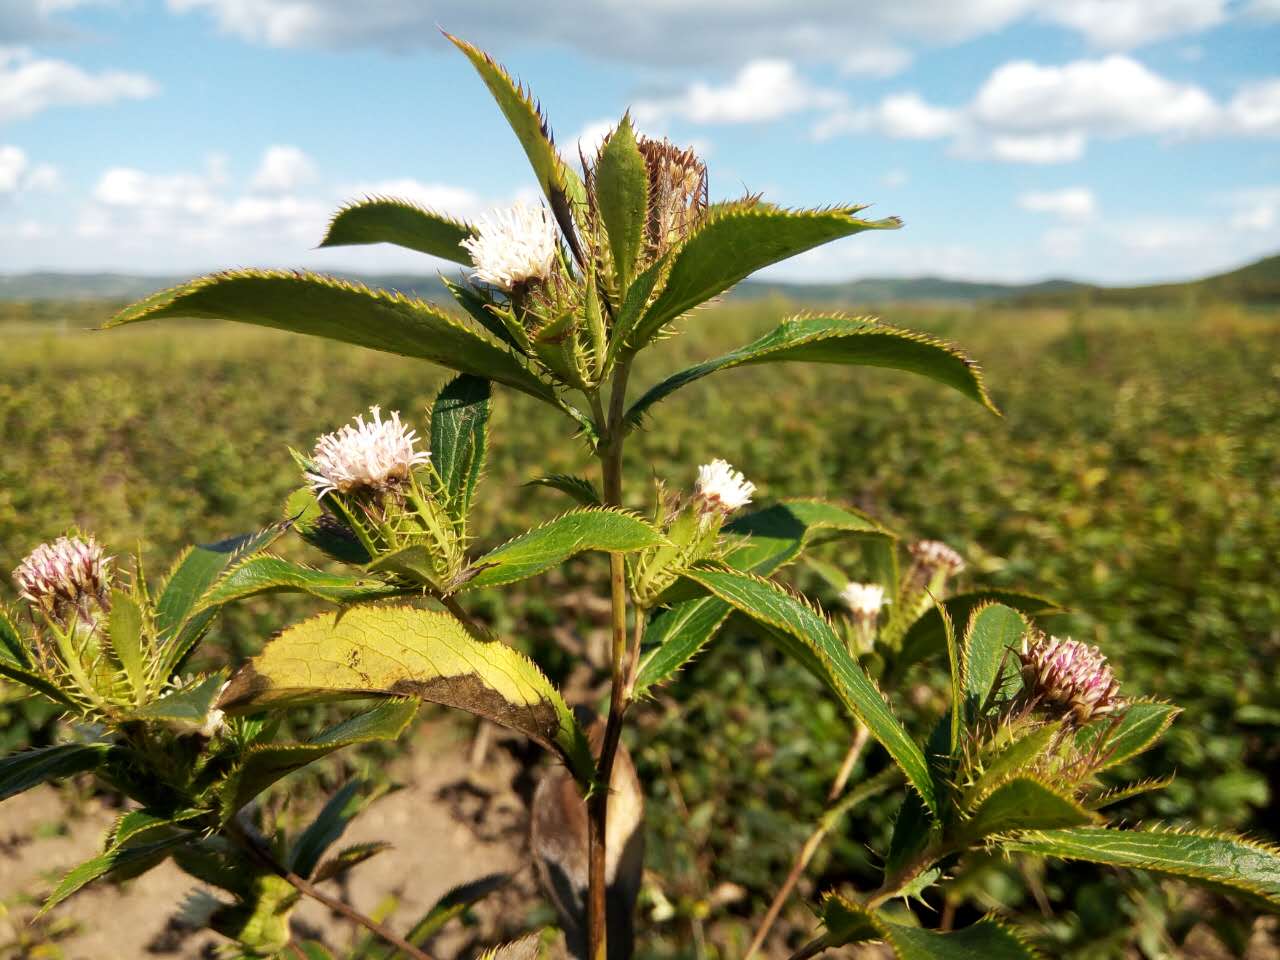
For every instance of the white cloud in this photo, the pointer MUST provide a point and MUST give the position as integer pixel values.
(1256, 209)
(283, 168)
(908, 116)
(30, 85)
(592, 135)
(1070, 203)
(895, 178)
(1038, 147)
(882, 60)
(762, 90)
(18, 174)
(455, 201)
(1255, 109)
(1264, 9)
(1125, 24)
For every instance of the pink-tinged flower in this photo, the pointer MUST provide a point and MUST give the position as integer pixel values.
(1070, 678)
(374, 455)
(721, 487)
(67, 572)
(864, 600)
(514, 245)
(936, 557)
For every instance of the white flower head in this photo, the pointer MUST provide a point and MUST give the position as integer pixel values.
(66, 572)
(937, 556)
(513, 245)
(721, 486)
(373, 454)
(864, 599)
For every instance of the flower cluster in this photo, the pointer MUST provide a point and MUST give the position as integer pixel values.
(67, 573)
(1069, 678)
(677, 193)
(864, 600)
(720, 487)
(374, 455)
(934, 556)
(513, 246)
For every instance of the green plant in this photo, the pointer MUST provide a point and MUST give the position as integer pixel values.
(1014, 764)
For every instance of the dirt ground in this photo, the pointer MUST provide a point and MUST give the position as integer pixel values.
(451, 823)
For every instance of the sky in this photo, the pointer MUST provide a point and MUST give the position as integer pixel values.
(1117, 141)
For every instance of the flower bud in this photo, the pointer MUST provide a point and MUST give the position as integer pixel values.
(934, 557)
(376, 456)
(1069, 679)
(513, 246)
(864, 600)
(677, 193)
(68, 573)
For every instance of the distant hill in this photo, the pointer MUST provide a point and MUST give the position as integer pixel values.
(1256, 283)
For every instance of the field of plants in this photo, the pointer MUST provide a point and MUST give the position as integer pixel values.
(1134, 477)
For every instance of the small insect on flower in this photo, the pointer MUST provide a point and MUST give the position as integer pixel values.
(1069, 678)
(864, 599)
(513, 245)
(936, 557)
(720, 487)
(373, 455)
(68, 572)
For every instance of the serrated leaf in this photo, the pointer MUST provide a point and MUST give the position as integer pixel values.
(555, 541)
(134, 859)
(34, 681)
(266, 574)
(1219, 860)
(138, 823)
(848, 922)
(1023, 803)
(1013, 758)
(20, 772)
(125, 630)
(1142, 724)
(622, 196)
(321, 531)
(926, 636)
(806, 636)
(994, 630)
(328, 826)
(262, 765)
(563, 188)
(387, 220)
(856, 341)
(734, 243)
(777, 535)
(338, 310)
(459, 439)
(405, 652)
(13, 651)
(477, 302)
(580, 488)
(177, 625)
(634, 303)
(1116, 795)
(188, 708)
(348, 858)
(454, 904)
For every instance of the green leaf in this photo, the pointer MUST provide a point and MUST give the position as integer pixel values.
(1012, 759)
(1023, 803)
(1220, 860)
(262, 765)
(35, 681)
(406, 652)
(20, 772)
(265, 574)
(926, 636)
(328, 826)
(348, 858)
(186, 708)
(856, 341)
(459, 439)
(177, 625)
(555, 541)
(387, 220)
(477, 302)
(136, 824)
(994, 630)
(321, 530)
(805, 634)
(13, 652)
(777, 535)
(125, 630)
(736, 242)
(622, 196)
(454, 904)
(1141, 725)
(134, 859)
(562, 187)
(580, 488)
(848, 922)
(633, 307)
(339, 310)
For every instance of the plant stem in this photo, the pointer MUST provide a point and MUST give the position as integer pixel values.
(259, 851)
(598, 803)
(860, 735)
(453, 606)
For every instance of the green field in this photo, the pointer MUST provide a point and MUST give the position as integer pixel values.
(1134, 478)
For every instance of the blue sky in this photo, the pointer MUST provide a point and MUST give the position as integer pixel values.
(1114, 140)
